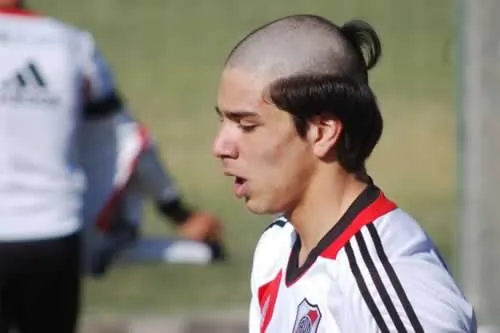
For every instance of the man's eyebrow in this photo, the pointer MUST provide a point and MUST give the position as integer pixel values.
(235, 113)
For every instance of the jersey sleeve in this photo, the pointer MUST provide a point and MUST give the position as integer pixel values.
(100, 90)
(399, 284)
(154, 178)
(254, 319)
(265, 270)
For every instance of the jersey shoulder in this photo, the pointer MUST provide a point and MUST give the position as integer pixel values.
(280, 231)
(273, 248)
(37, 28)
(395, 260)
(47, 31)
(396, 234)
(81, 40)
(401, 235)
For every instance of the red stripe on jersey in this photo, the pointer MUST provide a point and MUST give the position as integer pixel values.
(18, 11)
(268, 293)
(376, 209)
(105, 217)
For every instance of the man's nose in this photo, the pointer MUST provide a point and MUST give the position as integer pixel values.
(224, 146)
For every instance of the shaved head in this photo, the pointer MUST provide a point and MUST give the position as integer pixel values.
(312, 68)
(307, 45)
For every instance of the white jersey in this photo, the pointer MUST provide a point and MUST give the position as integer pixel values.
(50, 76)
(375, 271)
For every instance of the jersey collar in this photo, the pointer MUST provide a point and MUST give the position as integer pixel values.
(368, 206)
(17, 11)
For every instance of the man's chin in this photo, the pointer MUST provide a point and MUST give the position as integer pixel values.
(259, 208)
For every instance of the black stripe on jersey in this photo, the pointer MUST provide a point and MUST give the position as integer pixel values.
(36, 75)
(107, 106)
(417, 326)
(364, 289)
(294, 270)
(21, 80)
(379, 285)
(278, 223)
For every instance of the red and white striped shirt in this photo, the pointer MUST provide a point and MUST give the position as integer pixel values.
(376, 270)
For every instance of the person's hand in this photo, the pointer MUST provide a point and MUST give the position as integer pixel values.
(204, 227)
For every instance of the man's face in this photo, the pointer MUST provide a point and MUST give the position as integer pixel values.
(259, 147)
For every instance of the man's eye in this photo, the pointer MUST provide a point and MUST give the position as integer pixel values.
(246, 127)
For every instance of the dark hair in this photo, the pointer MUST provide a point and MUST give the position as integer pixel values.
(345, 96)
(365, 44)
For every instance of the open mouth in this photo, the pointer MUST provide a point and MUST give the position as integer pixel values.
(240, 186)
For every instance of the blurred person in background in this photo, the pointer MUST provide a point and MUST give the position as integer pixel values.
(59, 109)
(298, 122)
(123, 170)
(51, 77)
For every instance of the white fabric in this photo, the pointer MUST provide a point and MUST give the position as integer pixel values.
(47, 70)
(350, 283)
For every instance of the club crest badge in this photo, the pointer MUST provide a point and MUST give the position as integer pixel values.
(307, 319)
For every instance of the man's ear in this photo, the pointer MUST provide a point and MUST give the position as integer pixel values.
(324, 133)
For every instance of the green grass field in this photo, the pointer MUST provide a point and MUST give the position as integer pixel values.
(167, 56)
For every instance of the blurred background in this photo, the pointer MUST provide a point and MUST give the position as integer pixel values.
(167, 56)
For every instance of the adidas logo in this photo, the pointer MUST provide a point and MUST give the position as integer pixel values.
(27, 86)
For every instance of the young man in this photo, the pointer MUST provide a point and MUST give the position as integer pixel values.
(298, 122)
(123, 170)
(51, 76)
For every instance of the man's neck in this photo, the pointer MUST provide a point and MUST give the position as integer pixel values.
(328, 197)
